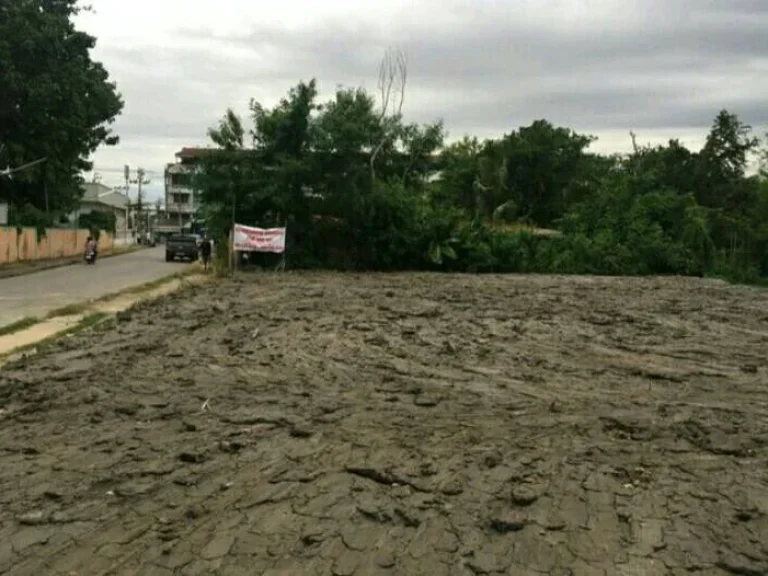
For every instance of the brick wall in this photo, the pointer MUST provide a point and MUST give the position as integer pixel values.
(25, 246)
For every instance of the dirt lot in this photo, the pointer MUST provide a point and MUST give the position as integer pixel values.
(409, 424)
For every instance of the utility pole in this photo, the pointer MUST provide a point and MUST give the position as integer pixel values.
(129, 217)
(141, 223)
(127, 175)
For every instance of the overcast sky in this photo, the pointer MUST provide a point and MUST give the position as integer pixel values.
(662, 68)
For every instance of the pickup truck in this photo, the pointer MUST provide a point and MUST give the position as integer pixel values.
(181, 246)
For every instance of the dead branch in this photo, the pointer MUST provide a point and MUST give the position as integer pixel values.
(393, 76)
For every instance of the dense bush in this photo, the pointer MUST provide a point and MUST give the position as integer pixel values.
(474, 207)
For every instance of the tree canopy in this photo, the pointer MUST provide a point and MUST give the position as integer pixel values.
(480, 205)
(56, 104)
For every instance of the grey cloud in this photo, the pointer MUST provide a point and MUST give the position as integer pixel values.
(737, 7)
(595, 110)
(163, 127)
(671, 64)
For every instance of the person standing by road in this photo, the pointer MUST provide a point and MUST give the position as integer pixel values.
(205, 252)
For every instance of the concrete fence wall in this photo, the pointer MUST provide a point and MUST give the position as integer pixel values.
(123, 238)
(25, 246)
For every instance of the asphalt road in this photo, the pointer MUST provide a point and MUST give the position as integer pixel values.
(39, 293)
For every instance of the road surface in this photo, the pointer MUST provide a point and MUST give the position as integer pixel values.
(39, 293)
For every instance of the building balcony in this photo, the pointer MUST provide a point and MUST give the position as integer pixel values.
(180, 208)
(177, 189)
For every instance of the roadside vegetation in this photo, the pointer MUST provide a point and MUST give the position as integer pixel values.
(361, 189)
(22, 324)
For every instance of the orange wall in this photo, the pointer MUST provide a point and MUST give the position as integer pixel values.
(24, 246)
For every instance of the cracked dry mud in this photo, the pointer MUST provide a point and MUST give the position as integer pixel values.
(397, 424)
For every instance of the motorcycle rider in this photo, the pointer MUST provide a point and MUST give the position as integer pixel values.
(90, 247)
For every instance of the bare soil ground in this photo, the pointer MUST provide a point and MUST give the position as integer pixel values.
(404, 424)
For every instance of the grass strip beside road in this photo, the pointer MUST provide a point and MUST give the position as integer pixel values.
(18, 325)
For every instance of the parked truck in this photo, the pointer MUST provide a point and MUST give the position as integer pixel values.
(181, 246)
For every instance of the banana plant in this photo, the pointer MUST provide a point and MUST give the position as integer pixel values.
(438, 251)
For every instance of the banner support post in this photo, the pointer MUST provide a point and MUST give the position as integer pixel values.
(231, 250)
(232, 256)
(285, 245)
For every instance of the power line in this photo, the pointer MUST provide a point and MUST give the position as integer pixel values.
(112, 170)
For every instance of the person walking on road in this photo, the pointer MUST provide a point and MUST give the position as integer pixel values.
(205, 252)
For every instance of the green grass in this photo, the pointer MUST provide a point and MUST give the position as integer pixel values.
(91, 320)
(70, 310)
(151, 285)
(18, 326)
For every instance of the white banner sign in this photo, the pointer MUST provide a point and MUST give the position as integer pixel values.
(249, 239)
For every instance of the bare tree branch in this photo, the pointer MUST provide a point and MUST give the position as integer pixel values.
(401, 73)
(393, 76)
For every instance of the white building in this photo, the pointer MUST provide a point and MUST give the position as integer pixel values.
(181, 200)
(100, 198)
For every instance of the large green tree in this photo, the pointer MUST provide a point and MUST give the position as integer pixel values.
(546, 167)
(671, 166)
(309, 164)
(533, 173)
(56, 103)
(723, 163)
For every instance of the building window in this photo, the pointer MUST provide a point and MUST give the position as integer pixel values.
(181, 180)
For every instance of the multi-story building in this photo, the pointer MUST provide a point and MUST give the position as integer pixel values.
(180, 195)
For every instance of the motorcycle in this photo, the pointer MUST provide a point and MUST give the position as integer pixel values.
(90, 257)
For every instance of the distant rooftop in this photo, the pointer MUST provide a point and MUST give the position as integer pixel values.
(92, 190)
(191, 152)
(101, 194)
